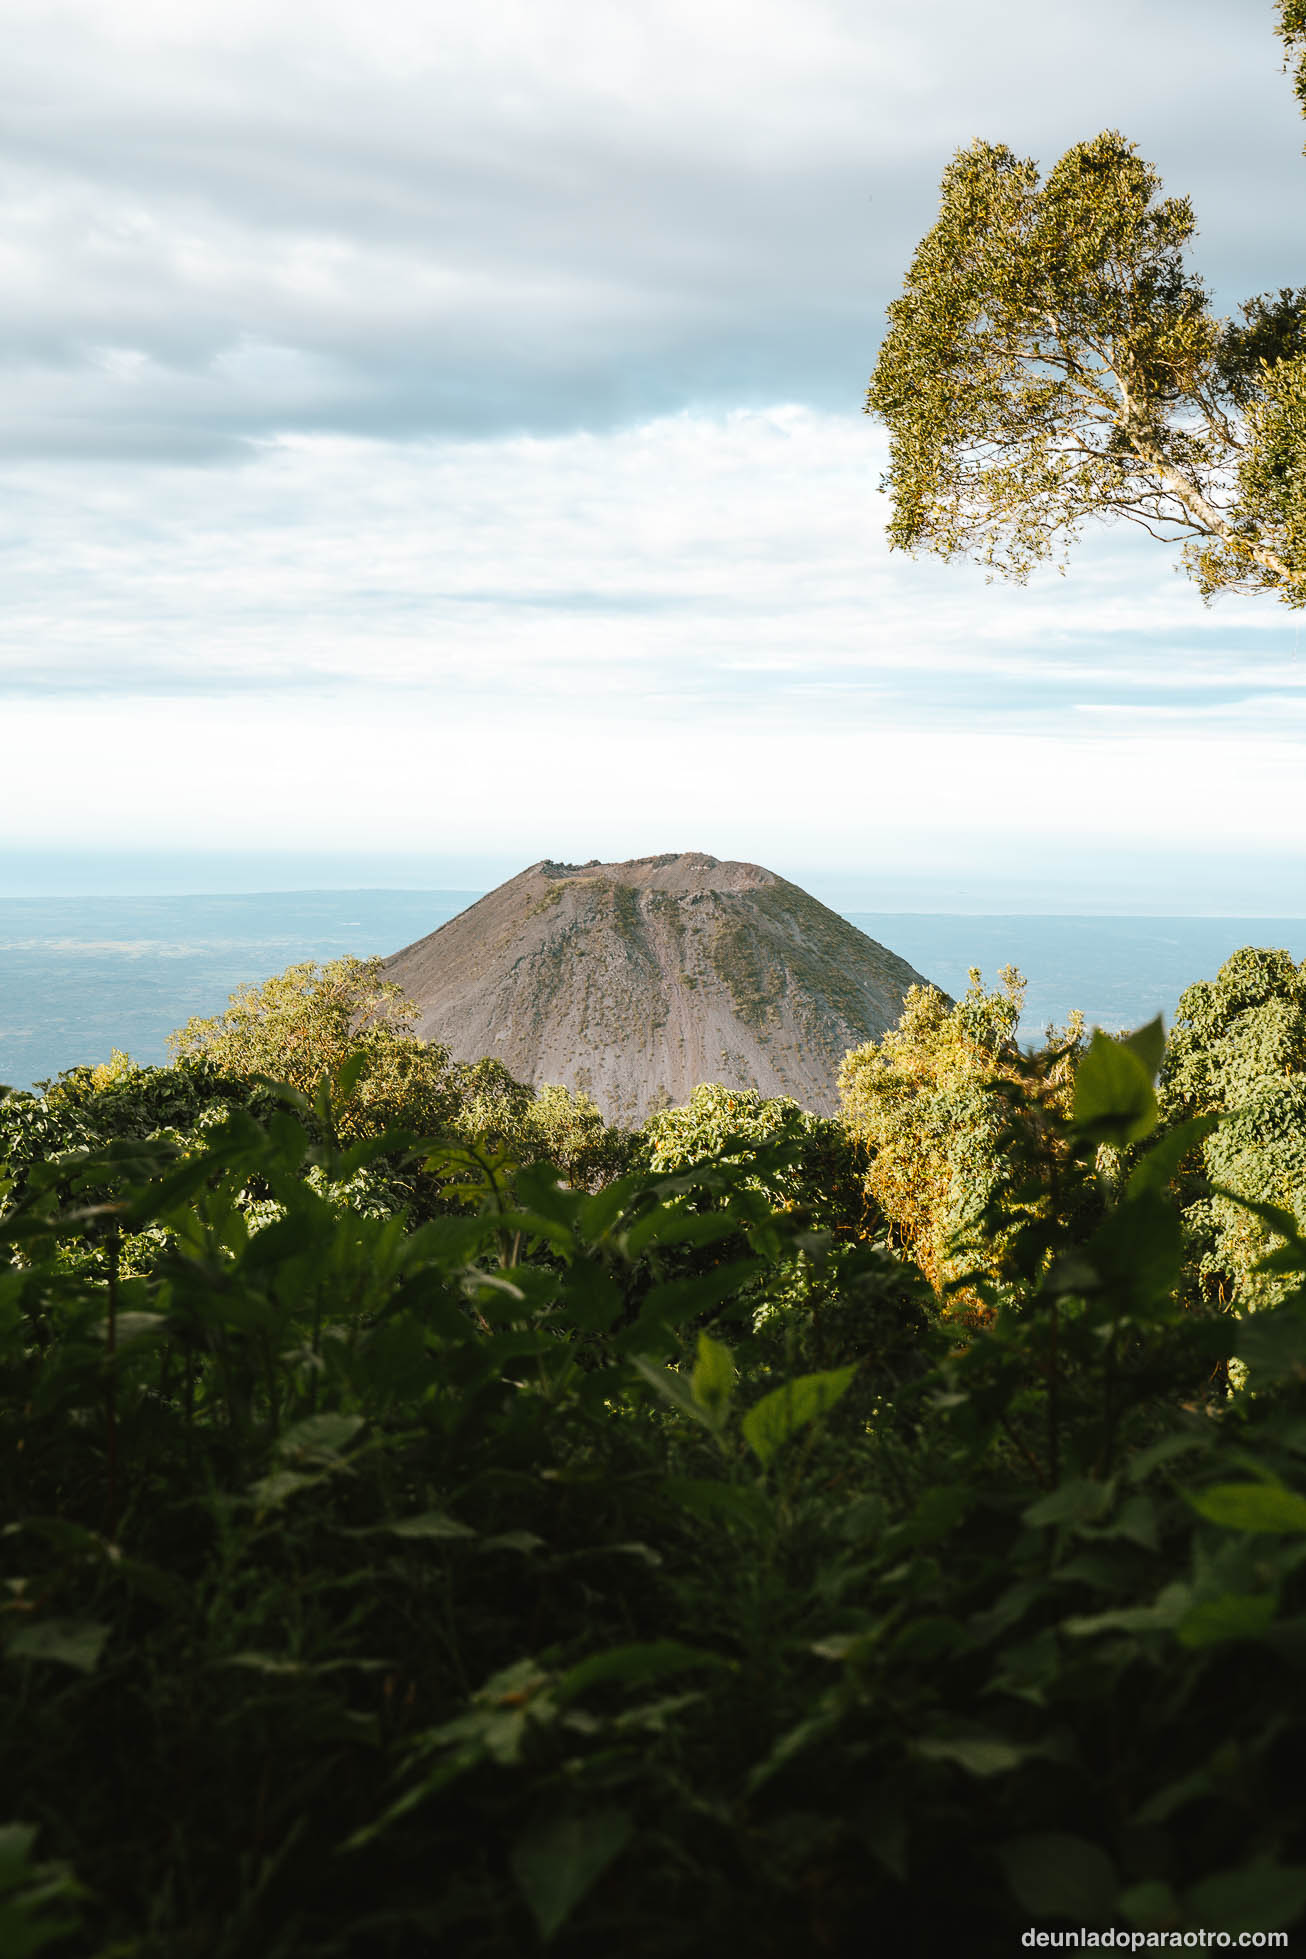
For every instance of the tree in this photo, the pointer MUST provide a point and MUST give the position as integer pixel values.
(1238, 1050)
(824, 1179)
(1052, 359)
(1292, 32)
(311, 1019)
(922, 1103)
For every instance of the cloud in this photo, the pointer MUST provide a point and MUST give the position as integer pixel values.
(731, 565)
(227, 222)
(387, 390)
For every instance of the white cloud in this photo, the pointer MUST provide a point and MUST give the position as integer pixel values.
(692, 565)
(387, 390)
(550, 213)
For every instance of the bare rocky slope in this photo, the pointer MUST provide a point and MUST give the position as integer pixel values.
(637, 981)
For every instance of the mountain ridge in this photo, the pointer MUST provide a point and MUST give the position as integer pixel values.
(634, 981)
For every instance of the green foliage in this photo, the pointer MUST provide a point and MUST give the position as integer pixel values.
(926, 1104)
(1238, 1051)
(1292, 32)
(480, 1581)
(1052, 359)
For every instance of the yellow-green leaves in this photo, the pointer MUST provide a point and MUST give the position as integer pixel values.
(1053, 359)
(780, 1414)
(713, 1380)
(1115, 1101)
(1265, 1506)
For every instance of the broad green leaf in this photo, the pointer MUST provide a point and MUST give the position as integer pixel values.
(1152, 1906)
(1163, 1615)
(1250, 1506)
(644, 1660)
(935, 1515)
(16, 1841)
(672, 1388)
(269, 1491)
(1055, 1875)
(668, 1225)
(287, 1238)
(1273, 1345)
(591, 1299)
(429, 1524)
(71, 1642)
(1114, 1097)
(1080, 1500)
(319, 1437)
(560, 1857)
(1257, 1898)
(350, 1074)
(780, 1414)
(508, 1540)
(977, 1754)
(682, 1299)
(1237, 1615)
(720, 1503)
(850, 1648)
(1137, 1253)
(1148, 1043)
(1158, 1168)
(1141, 1464)
(713, 1379)
(1173, 1796)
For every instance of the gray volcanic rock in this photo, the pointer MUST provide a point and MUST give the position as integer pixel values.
(637, 981)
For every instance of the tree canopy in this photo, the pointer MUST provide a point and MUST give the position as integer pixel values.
(1052, 359)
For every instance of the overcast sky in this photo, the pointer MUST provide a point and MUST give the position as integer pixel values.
(432, 437)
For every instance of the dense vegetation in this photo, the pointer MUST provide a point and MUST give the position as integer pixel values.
(412, 1546)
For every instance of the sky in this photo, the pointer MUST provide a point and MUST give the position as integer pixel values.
(431, 440)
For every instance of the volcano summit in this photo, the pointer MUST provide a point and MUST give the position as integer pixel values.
(637, 981)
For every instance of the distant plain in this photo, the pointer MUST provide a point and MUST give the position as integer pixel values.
(80, 976)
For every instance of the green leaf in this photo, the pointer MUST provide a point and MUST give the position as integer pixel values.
(713, 1379)
(318, 1437)
(1148, 1043)
(71, 1642)
(286, 1238)
(1250, 1506)
(507, 1540)
(672, 1388)
(591, 1298)
(1273, 1345)
(1152, 1906)
(780, 1414)
(1077, 1501)
(1257, 1898)
(1163, 1615)
(429, 1524)
(16, 1841)
(269, 1491)
(1236, 1615)
(644, 1660)
(719, 1503)
(1158, 1168)
(977, 1754)
(1061, 1876)
(668, 1225)
(682, 1299)
(1114, 1098)
(559, 1858)
(350, 1073)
